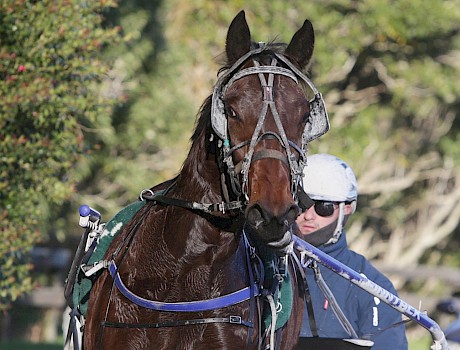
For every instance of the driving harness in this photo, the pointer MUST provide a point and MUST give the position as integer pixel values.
(238, 175)
(254, 265)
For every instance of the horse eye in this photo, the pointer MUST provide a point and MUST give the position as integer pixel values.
(230, 112)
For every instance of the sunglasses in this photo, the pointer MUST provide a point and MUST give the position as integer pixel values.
(322, 208)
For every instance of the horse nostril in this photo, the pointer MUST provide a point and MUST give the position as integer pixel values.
(291, 215)
(254, 216)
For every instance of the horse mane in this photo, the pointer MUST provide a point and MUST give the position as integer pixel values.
(203, 120)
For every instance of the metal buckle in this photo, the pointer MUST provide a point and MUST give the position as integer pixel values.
(222, 207)
(235, 319)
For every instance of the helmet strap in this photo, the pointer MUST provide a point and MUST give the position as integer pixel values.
(353, 207)
(339, 227)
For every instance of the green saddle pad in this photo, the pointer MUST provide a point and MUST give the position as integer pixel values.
(83, 284)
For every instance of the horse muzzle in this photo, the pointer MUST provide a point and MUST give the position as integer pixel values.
(268, 228)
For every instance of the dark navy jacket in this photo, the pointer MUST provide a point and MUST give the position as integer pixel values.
(367, 314)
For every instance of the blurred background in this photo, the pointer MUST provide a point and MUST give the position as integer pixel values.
(98, 100)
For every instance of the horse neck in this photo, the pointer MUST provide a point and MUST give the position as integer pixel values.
(199, 179)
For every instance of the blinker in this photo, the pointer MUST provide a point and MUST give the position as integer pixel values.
(305, 202)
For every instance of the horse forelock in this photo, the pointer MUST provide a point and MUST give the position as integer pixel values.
(269, 49)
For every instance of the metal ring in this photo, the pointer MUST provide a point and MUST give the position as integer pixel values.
(143, 192)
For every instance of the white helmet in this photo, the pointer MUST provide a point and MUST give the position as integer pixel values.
(329, 178)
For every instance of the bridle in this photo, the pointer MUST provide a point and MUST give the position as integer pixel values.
(235, 178)
(316, 126)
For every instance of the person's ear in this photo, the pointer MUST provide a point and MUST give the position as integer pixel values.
(349, 208)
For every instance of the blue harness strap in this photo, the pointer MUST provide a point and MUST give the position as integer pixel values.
(186, 306)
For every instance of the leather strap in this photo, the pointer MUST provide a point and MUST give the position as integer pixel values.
(231, 319)
(311, 314)
(207, 208)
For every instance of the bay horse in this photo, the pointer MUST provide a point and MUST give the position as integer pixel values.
(200, 263)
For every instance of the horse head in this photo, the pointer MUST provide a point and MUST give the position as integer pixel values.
(264, 118)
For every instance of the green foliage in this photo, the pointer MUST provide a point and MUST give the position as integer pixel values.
(388, 71)
(50, 72)
(110, 175)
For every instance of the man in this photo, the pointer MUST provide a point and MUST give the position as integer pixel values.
(331, 184)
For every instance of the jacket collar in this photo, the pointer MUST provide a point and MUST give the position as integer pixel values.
(335, 249)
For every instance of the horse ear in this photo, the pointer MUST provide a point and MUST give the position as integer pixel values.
(300, 49)
(238, 38)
